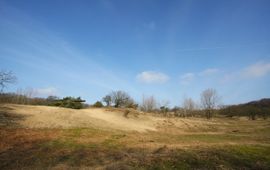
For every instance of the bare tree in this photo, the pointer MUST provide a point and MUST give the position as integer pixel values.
(121, 99)
(188, 106)
(24, 96)
(164, 107)
(107, 99)
(209, 100)
(6, 77)
(29, 93)
(148, 103)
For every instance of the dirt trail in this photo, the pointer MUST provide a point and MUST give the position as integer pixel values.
(54, 117)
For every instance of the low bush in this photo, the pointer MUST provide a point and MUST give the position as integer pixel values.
(69, 102)
(98, 104)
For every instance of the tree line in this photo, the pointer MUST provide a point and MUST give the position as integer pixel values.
(27, 99)
(254, 109)
(208, 106)
(209, 99)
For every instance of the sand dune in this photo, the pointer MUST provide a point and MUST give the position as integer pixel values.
(54, 117)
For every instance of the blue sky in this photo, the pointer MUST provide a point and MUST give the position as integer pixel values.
(169, 49)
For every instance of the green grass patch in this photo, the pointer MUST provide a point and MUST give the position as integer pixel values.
(229, 157)
(67, 144)
(206, 138)
(88, 132)
(210, 138)
(71, 143)
(113, 141)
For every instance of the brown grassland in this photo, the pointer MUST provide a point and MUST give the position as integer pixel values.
(42, 137)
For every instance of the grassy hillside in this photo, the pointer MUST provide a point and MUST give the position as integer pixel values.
(172, 143)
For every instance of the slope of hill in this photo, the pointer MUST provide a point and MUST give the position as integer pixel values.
(38, 137)
(253, 109)
(55, 117)
(259, 103)
(27, 116)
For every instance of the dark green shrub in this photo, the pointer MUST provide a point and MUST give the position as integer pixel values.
(69, 102)
(98, 104)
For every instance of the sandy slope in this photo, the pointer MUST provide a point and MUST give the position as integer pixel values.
(113, 119)
(54, 117)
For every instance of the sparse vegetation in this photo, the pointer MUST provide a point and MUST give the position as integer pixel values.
(196, 144)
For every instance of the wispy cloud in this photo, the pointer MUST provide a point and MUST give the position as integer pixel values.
(187, 78)
(59, 57)
(48, 91)
(208, 72)
(152, 77)
(259, 69)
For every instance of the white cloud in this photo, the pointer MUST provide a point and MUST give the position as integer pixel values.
(48, 91)
(152, 77)
(256, 70)
(208, 72)
(259, 69)
(187, 78)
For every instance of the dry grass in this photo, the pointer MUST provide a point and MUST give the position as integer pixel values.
(174, 143)
(53, 117)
